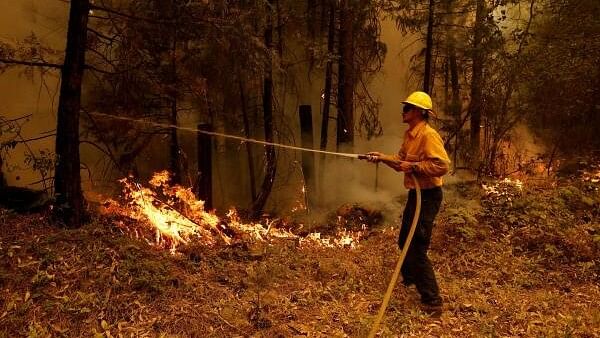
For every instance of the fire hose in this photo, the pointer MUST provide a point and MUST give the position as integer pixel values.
(394, 280)
(392, 284)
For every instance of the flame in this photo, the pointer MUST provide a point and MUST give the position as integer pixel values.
(176, 217)
(500, 188)
(301, 203)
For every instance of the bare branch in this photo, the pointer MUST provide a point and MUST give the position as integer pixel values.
(31, 63)
(92, 68)
(125, 15)
(36, 138)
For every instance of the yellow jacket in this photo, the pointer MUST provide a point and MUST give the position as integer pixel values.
(423, 146)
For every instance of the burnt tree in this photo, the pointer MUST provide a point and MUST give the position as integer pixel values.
(477, 82)
(249, 153)
(174, 148)
(308, 159)
(346, 76)
(429, 49)
(67, 178)
(270, 158)
(204, 190)
(327, 92)
(328, 78)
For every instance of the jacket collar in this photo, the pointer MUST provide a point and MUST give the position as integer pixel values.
(417, 129)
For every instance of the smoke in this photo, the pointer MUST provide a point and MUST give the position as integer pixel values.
(342, 180)
(360, 182)
(21, 95)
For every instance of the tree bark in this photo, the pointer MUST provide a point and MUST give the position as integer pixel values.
(429, 49)
(346, 77)
(174, 140)
(174, 145)
(308, 159)
(205, 188)
(328, 78)
(67, 177)
(270, 158)
(2, 180)
(248, 144)
(327, 93)
(477, 83)
(456, 105)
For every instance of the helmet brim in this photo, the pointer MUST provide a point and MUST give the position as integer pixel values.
(429, 110)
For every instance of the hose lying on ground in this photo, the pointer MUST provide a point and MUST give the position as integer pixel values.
(390, 288)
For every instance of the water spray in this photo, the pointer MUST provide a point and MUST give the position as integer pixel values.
(235, 137)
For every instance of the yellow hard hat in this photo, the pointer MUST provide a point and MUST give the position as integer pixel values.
(419, 99)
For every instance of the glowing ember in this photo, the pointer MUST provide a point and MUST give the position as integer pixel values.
(592, 176)
(176, 217)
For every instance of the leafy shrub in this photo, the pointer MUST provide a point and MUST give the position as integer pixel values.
(553, 224)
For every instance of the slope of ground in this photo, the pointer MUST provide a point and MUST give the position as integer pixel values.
(518, 263)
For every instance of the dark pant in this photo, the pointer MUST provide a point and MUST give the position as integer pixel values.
(417, 267)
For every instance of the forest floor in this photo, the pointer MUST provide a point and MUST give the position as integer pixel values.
(511, 261)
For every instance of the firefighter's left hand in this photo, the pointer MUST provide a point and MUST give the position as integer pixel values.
(375, 156)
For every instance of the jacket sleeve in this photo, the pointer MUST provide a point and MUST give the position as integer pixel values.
(401, 156)
(435, 161)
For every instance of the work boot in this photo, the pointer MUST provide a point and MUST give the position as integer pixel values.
(408, 283)
(432, 310)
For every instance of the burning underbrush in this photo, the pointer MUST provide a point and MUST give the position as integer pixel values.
(169, 216)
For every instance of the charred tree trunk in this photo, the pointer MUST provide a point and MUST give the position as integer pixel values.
(327, 92)
(456, 106)
(174, 145)
(477, 84)
(247, 134)
(308, 159)
(270, 158)
(279, 27)
(311, 18)
(346, 77)
(174, 150)
(205, 166)
(2, 180)
(328, 78)
(452, 83)
(446, 71)
(67, 178)
(429, 49)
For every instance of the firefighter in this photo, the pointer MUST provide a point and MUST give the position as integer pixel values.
(422, 154)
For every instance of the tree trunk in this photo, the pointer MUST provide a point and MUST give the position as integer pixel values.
(456, 105)
(311, 18)
(429, 49)
(446, 71)
(174, 145)
(248, 144)
(174, 140)
(271, 161)
(346, 77)
(327, 93)
(477, 83)
(67, 178)
(205, 187)
(308, 159)
(328, 79)
(2, 180)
